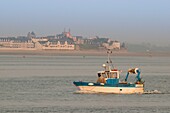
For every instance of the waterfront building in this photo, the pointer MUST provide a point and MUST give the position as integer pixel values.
(31, 35)
(63, 41)
(6, 42)
(16, 43)
(19, 44)
(58, 46)
(116, 45)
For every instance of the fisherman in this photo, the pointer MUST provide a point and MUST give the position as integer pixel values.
(101, 79)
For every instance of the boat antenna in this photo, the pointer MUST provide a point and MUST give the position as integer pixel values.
(109, 61)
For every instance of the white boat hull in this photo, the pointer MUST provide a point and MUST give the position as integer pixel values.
(115, 90)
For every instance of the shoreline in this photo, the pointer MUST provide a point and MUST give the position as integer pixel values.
(81, 53)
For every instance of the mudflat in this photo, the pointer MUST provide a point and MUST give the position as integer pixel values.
(80, 53)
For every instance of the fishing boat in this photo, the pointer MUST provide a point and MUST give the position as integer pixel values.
(109, 82)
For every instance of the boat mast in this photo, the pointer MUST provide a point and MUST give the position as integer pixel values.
(109, 62)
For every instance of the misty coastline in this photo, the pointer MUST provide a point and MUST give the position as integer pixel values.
(82, 53)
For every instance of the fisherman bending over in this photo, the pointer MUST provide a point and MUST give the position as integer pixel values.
(101, 79)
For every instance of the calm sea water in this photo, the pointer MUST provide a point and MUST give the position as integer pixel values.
(43, 84)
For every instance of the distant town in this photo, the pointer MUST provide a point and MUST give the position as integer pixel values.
(63, 41)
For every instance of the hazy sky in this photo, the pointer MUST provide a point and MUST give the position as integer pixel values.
(132, 21)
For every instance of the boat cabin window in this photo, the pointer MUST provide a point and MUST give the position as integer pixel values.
(111, 74)
(108, 74)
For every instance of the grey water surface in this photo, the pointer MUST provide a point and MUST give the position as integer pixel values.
(43, 84)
